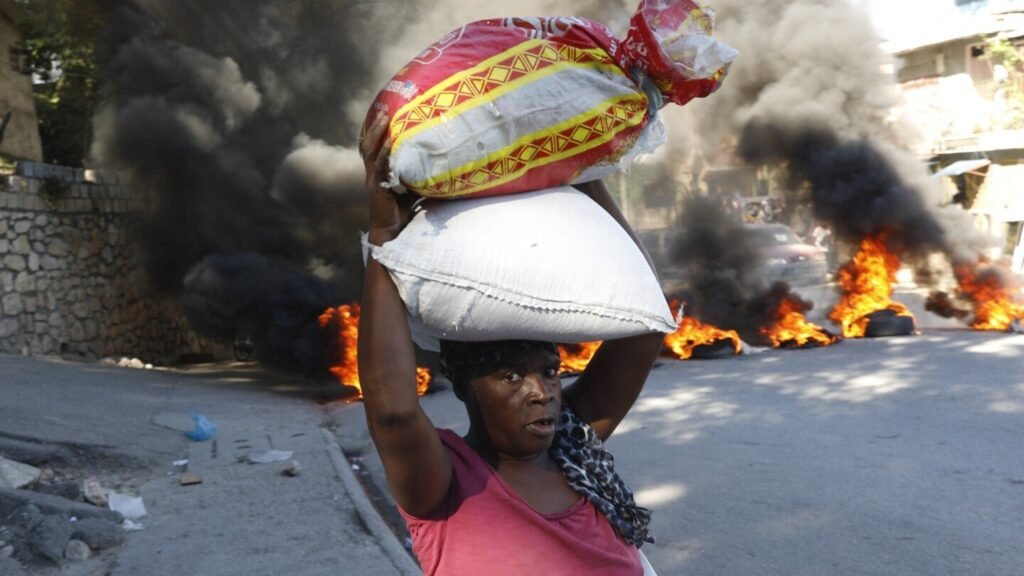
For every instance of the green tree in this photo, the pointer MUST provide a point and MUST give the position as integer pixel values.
(1009, 89)
(60, 41)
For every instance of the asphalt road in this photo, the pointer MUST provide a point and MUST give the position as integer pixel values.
(126, 427)
(898, 456)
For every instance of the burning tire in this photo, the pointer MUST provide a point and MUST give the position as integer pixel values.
(721, 348)
(888, 323)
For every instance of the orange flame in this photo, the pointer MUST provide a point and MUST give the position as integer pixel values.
(345, 319)
(692, 333)
(793, 329)
(866, 283)
(575, 357)
(993, 300)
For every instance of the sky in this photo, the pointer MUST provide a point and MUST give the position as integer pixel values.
(905, 20)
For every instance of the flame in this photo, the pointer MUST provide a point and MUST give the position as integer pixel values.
(345, 319)
(575, 357)
(692, 333)
(866, 284)
(792, 328)
(992, 298)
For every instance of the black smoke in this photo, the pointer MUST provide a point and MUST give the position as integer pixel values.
(850, 185)
(234, 121)
(273, 304)
(719, 260)
(725, 286)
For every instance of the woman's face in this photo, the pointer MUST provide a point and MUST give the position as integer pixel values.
(519, 404)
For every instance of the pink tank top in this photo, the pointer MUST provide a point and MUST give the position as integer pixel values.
(484, 527)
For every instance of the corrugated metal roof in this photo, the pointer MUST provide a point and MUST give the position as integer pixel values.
(961, 166)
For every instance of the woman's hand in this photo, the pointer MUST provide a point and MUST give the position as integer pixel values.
(389, 212)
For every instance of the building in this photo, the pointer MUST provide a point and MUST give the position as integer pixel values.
(19, 126)
(963, 88)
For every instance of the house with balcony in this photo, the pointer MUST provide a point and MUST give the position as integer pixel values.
(963, 89)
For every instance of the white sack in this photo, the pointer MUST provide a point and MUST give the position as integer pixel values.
(549, 265)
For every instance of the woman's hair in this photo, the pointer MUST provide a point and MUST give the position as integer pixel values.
(463, 362)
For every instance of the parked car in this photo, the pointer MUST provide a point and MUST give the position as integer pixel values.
(786, 257)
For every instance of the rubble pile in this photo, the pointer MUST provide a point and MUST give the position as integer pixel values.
(52, 519)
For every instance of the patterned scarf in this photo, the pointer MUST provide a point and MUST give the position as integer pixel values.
(590, 470)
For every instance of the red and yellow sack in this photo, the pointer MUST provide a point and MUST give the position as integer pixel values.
(520, 104)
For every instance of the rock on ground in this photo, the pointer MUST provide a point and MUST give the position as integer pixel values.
(11, 500)
(69, 490)
(77, 551)
(22, 520)
(98, 533)
(10, 567)
(17, 475)
(50, 538)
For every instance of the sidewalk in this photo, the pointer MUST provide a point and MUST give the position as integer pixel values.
(243, 519)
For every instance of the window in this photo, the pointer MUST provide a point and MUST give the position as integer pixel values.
(18, 57)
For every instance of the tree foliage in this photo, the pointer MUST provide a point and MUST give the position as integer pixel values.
(1009, 94)
(60, 41)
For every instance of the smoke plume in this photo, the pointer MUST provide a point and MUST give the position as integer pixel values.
(725, 284)
(237, 121)
(808, 104)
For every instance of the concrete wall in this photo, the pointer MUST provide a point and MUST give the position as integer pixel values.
(71, 281)
(21, 138)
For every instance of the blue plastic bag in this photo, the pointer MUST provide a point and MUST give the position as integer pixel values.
(204, 429)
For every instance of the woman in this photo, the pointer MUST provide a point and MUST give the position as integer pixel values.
(529, 489)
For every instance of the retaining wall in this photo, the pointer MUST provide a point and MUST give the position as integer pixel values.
(71, 280)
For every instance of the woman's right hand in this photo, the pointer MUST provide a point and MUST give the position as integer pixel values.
(389, 212)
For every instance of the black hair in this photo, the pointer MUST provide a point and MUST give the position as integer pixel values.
(463, 362)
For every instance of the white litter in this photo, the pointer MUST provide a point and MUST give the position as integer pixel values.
(130, 507)
(269, 456)
(129, 526)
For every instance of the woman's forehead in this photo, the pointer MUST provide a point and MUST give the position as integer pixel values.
(474, 359)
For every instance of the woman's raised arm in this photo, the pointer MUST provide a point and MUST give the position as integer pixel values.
(618, 371)
(415, 462)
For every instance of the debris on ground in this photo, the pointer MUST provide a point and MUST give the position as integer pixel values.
(190, 479)
(293, 469)
(98, 533)
(269, 456)
(50, 538)
(126, 362)
(130, 507)
(67, 489)
(94, 493)
(14, 474)
(204, 429)
(77, 551)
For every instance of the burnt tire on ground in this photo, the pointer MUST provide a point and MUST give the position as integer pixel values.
(887, 323)
(722, 348)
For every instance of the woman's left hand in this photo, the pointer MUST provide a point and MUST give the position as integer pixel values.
(389, 212)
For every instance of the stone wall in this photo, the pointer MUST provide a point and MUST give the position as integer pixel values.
(71, 280)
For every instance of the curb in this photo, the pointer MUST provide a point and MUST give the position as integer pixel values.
(394, 550)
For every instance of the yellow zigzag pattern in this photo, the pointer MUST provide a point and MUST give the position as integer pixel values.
(522, 64)
(572, 137)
